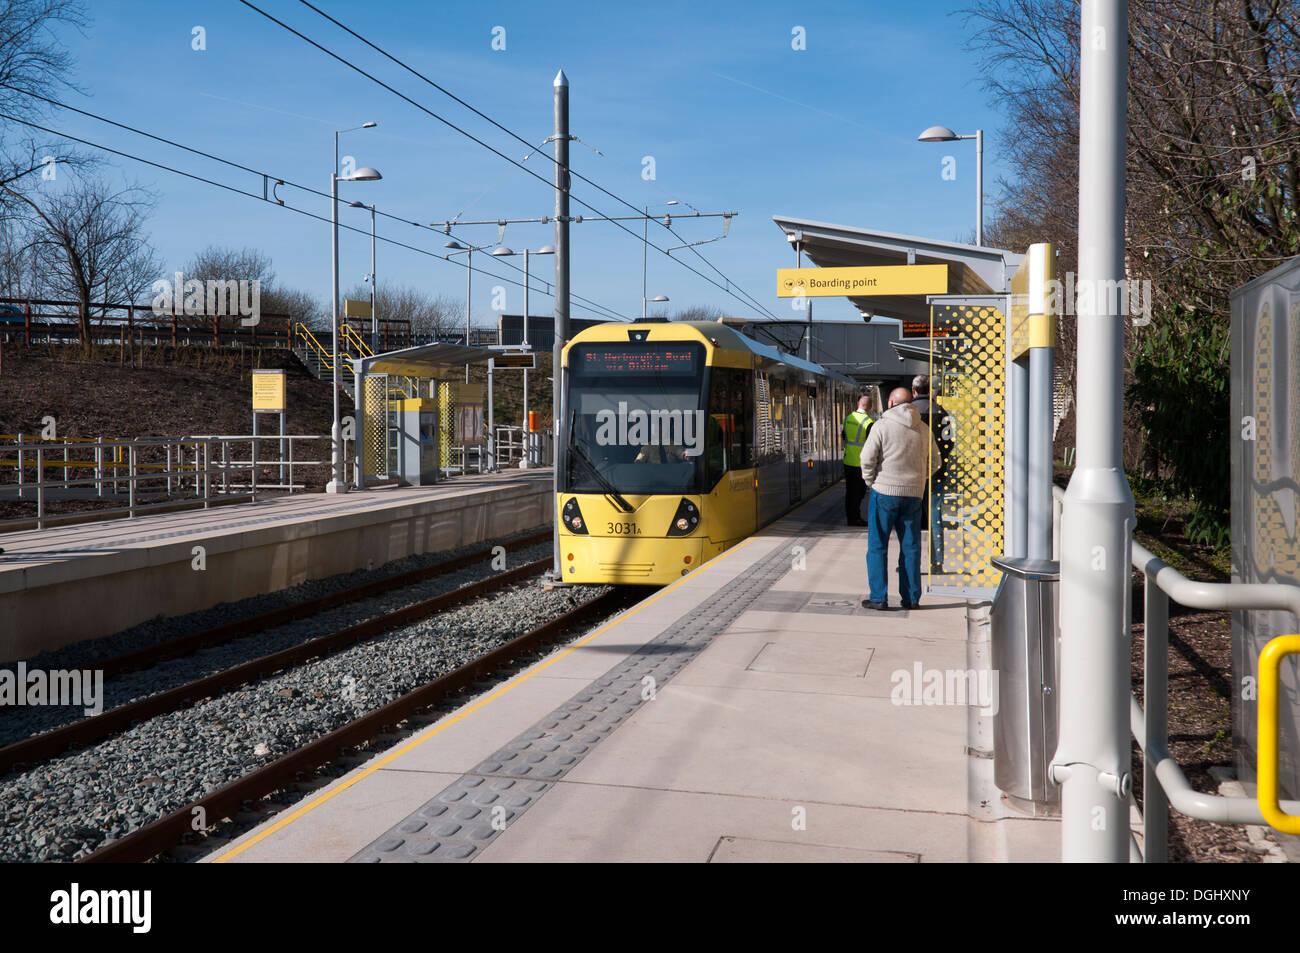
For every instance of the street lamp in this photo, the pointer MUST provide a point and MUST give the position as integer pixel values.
(374, 292)
(645, 245)
(364, 174)
(528, 432)
(645, 299)
(944, 134)
(469, 276)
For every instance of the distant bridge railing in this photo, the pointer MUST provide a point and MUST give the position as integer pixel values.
(40, 320)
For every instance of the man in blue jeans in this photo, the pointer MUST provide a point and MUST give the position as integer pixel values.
(899, 456)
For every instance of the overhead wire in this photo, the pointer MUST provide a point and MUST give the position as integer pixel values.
(751, 302)
(464, 132)
(585, 304)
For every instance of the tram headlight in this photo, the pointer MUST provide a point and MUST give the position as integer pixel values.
(685, 520)
(572, 517)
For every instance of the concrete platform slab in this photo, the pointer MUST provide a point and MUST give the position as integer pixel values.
(137, 569)
(781, 739)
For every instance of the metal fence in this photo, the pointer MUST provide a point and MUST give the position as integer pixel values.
(149, 473)
(512, 444)
(48, 321)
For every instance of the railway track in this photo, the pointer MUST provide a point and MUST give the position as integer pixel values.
(168, 831)
(50, 744)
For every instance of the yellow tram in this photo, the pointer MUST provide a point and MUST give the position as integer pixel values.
(683, 439)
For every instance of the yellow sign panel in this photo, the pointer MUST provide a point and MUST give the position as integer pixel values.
(1033, 315)
(356, 309)
(268, 390)
(879, 280)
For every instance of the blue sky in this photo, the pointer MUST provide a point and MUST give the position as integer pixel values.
(735, 119)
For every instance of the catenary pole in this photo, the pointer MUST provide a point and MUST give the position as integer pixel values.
(559, 426)
(1093, 757)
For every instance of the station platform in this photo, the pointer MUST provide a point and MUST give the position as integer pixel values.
(71, 583)
(743, 713)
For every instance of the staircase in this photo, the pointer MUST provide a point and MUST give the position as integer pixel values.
(319, 362)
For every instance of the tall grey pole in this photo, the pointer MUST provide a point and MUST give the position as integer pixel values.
(1093, 757)
(374, 289)
(528, 433)
(561, 86)
(1017, 442)
(492, 420)
(979, 187)
(469, 285)
(335, 484)
(798, 263)
(645, 244)
(1042, 336)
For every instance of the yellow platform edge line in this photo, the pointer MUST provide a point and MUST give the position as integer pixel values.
(437, 729)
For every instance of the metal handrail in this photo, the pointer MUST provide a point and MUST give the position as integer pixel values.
(324, 356)
(349, 334)
(1164, 783)
(1266, 757)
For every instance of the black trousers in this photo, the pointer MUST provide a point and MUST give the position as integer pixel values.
(855, 491)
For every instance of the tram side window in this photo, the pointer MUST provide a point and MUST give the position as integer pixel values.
(726, 443)
(732, 403)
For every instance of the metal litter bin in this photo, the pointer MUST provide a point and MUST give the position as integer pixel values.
(1025, 633)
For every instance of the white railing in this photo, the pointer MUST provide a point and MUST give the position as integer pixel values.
(149, 473)
(513, 443)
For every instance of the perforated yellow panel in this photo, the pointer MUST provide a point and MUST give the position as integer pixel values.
(968, 378)
(374, 456)
(445, 428)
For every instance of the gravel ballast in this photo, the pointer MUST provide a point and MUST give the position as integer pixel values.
(62, 809)
(19, 722)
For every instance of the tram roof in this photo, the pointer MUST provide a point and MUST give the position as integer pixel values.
(972, 269)
(729, 337)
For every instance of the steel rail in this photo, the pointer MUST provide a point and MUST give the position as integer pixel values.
(88, 731)
(165, 832)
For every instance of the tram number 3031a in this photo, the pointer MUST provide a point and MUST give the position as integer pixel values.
(622, 529)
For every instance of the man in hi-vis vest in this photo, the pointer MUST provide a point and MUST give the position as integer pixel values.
(855, 430)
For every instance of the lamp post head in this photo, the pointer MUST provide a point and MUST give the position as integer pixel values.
(937, 134)
(502, 252)
(658, 298)
(454, 244)
(545, 250)
(363, 174)
(369, 125)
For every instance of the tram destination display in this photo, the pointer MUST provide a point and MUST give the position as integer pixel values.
(675, 360)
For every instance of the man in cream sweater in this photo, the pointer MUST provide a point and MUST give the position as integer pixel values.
(898, 459)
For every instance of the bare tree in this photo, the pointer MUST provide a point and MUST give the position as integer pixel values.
(251, 264)
(699, 312)
(430, 315)
(1213, 178)
(88, 243)
(32, 64)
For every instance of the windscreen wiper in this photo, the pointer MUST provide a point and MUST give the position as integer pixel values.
(605, 485)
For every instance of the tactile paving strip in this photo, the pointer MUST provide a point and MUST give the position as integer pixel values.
(470, 812)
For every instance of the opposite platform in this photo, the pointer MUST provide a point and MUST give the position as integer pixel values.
(742, 713)
(70, 583)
